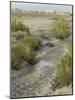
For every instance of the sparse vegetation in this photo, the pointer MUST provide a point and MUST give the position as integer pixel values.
(19, 26)
(33, 41)
(60, 28)
(19, 35)
(64, 70)
(38, 42)
(15, 61)
(20, 53)
(25, 50)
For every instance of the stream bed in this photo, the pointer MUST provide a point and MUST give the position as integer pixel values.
(36, 80)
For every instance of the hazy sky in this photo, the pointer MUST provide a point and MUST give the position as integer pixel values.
(41, 7)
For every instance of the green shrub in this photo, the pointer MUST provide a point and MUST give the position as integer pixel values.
(15, 62)
(64, 72)
(33, 41)
(18, 26)
(60, 28)
(20, 53)
(19, 35)
(29, 55)
(24, 50)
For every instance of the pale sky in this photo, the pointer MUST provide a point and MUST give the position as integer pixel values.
(41, 7)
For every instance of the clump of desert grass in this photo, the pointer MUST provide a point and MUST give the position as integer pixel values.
(63, 76)
(60, 28)
(25, 50)
(19, 26)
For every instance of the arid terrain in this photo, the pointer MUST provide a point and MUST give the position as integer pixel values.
(37, 79)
